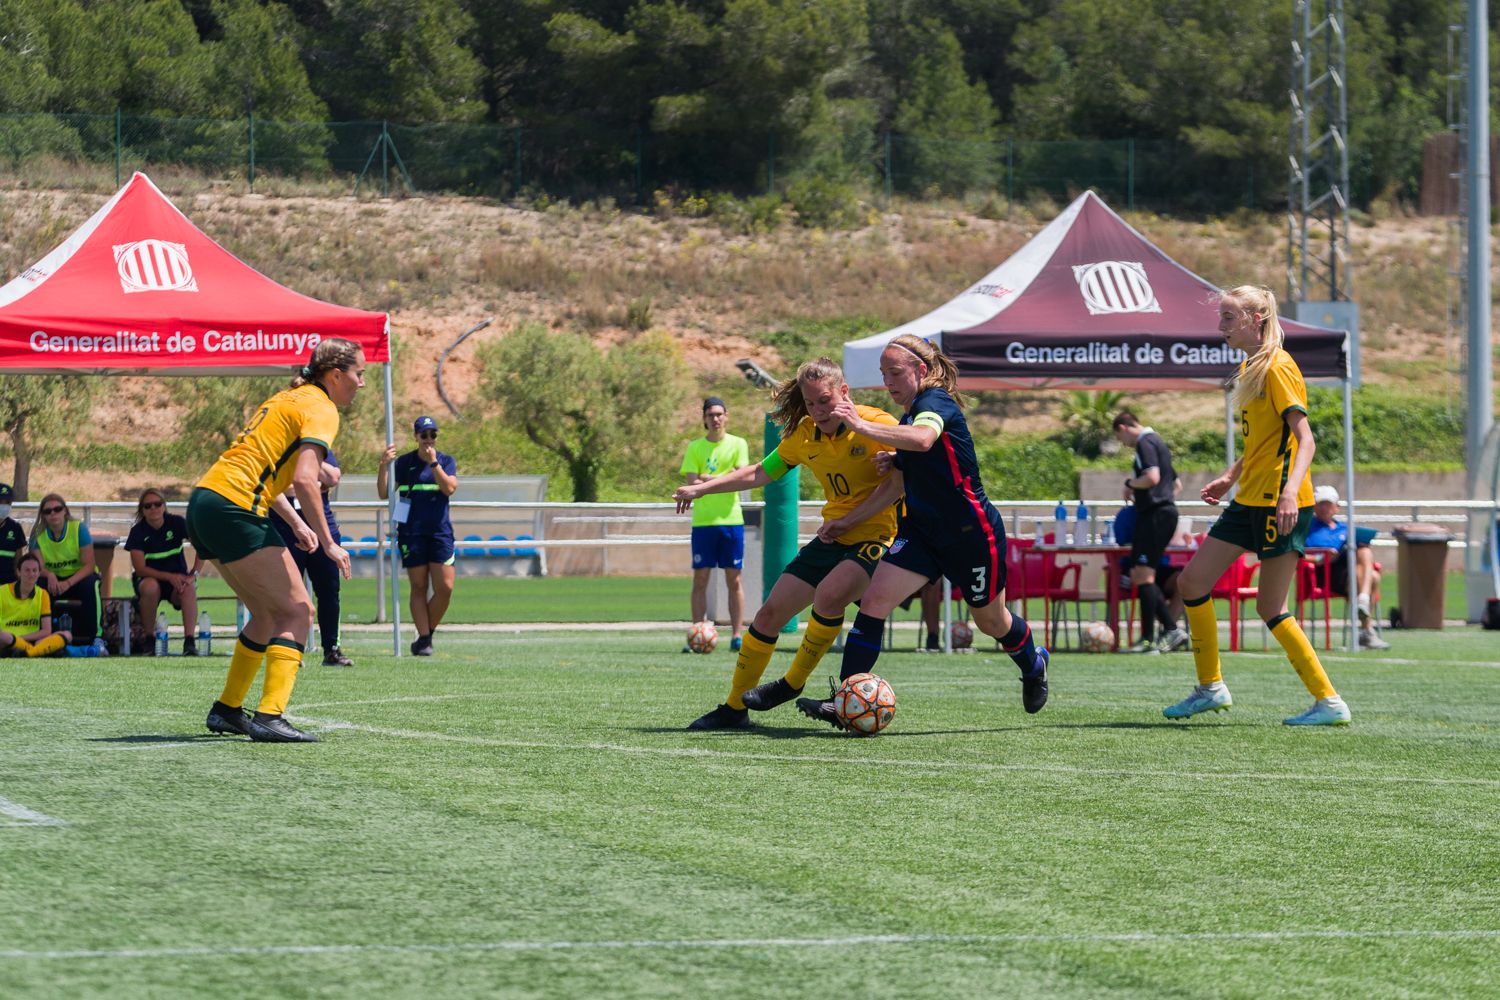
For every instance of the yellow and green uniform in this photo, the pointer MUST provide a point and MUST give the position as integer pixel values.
(258, 466)
(842, 463)
(1270, 447)
(21, 616)
(63, 556)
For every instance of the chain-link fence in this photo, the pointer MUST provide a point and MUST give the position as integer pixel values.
(581, 162)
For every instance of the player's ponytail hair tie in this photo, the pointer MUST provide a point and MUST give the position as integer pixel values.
(306, 371)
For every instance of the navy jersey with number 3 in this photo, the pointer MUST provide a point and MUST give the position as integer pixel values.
(944, 494)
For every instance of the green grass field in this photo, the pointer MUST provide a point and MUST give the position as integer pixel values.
(524, 816)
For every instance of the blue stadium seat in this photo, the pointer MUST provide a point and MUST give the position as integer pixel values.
(369, 553)
(472, 551)
(499, 550)
(527, 550)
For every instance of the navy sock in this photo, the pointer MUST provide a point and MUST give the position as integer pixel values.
(862, 646)
(1017, 642)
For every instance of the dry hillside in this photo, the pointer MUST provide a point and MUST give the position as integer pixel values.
(441, 264)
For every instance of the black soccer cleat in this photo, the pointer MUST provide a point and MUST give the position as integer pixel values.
(422, 646)
(722, 717)
(765, 697)
(275, 729)
(819, 711)
(225, 720)
(1034, 686)
(336, 657)
(189, 646)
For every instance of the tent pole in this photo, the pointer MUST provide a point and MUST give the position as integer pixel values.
(1351, 605)
(392, 549)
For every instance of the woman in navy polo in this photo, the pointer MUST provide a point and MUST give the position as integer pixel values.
(425, 479)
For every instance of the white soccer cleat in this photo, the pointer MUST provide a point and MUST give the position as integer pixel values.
(1370, 639)
(1324, 712)
(1205, 698)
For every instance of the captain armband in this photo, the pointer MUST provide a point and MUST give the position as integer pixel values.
(774, 465)
(928, 419)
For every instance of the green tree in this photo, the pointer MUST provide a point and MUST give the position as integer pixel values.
(257, 67)
(596, 409)
(954, 121)
(1087, 419)
(221, 406)
(153, 61)
(26, 80)
(37, 409)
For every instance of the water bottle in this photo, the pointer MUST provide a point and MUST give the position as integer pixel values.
(1060, 524)
(1081, 526)
(1041, 530)
(64, 622)
(205, 634)
(161, 633)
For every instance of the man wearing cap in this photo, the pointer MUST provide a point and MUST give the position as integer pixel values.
(718, 523)
(425, 479)
(1327, 533)
(12, 536)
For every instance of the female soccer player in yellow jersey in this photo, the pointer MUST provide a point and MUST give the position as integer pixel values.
(1269, 516)
(284, 444)
(832, 570)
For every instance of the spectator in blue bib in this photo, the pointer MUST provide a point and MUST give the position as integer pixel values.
(425, 479)
(1327, 532)
(158, 566)
(321, 571)
(68, 568)
(12, 537)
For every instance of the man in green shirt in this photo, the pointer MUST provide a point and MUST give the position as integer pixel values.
(718, 524)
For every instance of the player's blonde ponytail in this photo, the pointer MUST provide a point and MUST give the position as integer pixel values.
(942, 373)
(334, 352)
(789, 406)
(1251, 380)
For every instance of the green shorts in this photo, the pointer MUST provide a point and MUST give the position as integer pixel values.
(1254, 528)
(224, 531)
(818, 558)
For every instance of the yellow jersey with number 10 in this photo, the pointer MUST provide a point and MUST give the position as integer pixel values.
(1270, 448)
(258, 466)
(845, 469)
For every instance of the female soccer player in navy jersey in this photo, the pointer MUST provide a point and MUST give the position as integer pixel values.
(949, 527)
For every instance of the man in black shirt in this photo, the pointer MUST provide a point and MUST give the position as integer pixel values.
(12, 537)
(1152, 487)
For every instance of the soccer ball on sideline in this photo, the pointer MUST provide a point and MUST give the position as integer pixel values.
(1098, 637)
(702, 637)
(962, 635)
(865, 704)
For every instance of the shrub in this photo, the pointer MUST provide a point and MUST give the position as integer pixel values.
(825, 204)
(1027, 469)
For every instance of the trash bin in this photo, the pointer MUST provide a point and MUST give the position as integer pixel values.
(1423, 576)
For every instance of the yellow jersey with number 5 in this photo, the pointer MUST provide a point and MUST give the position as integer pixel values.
(843, 463)
(1270, 448)
(258, 466)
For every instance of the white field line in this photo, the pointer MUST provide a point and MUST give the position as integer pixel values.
(917, 765)
(26, 817)
(685, 944)
(393, 701)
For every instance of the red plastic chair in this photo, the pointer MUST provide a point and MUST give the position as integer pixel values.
(1312, 580)
(1056, 583)
(1018, 584)
(1237, 586)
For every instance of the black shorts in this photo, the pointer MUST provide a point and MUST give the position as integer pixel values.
(1153, 533)
(169, 592)
(818, 558)
(1338, 574)
(973, 559)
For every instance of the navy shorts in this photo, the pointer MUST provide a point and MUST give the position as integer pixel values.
(719, 546)
(973, 559)
(169, 592)
(422, 550)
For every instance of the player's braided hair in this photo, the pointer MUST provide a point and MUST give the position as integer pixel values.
(942, 373)
(787, 399)
(334, 352)
(1251, 380)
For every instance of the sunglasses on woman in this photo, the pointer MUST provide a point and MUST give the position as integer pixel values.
(53, 510)
(153, 504)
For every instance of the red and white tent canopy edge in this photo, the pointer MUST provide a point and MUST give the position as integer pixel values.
(1089, 303)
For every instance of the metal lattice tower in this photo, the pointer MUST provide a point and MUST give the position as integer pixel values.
(1317, 260)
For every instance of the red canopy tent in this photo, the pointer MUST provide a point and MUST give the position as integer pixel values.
(1090, 303)
(139, 290)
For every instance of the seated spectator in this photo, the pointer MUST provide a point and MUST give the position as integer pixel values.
(67, 552)
(1328, 533)
(1176, 637)
(26, 613)
(12, 536)
(158, 566)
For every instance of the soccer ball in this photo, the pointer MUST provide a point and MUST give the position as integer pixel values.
(865, 704)
(1098, 637)
(961, 635)
(702, 637)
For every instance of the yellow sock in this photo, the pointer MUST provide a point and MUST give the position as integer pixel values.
(1304, 658)
(755, 654)
(283, 658)
(820, 635)
(1205, 629)
(21, 648)
(244, 664)
(44, 647)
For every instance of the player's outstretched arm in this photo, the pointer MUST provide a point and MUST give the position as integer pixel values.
(746, 477)
(903, 437)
